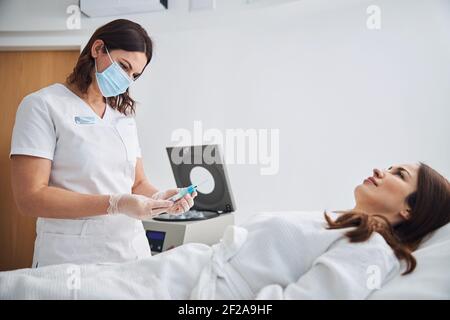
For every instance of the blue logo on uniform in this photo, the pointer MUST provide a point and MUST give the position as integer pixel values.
(84, 120)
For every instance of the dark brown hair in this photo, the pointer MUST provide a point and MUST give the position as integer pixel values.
(430, 210)
(118, 34)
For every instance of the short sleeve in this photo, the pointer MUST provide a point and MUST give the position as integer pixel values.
(34, 132)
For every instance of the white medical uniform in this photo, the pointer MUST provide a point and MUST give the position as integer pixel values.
(90, 155)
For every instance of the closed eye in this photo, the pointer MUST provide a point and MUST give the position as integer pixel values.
(124, 67)
(399, 173)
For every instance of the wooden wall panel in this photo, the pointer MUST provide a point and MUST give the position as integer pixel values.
(22, 72)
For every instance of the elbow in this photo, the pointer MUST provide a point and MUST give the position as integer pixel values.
(24, 208)
(27, 204)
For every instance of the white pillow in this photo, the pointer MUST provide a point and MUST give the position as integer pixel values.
(431, 278)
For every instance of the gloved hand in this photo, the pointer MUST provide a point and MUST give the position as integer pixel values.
(180, 206)
(137, 206)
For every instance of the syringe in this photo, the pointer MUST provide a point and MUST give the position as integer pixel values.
(184, 191)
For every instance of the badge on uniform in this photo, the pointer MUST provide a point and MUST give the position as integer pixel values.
(84, 120)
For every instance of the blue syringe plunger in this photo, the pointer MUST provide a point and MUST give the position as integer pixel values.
(184, 191)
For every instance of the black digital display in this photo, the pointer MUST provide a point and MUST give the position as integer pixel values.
(156, 240)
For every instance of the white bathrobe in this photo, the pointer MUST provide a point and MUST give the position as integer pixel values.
(273, 256)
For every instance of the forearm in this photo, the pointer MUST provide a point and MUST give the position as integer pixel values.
(52, 202)
(144, 188)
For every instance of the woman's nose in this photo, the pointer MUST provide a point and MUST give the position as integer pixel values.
(377, 173)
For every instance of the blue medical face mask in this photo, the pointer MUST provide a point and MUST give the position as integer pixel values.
(113, 81)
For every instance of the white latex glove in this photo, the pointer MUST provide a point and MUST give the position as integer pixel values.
(180, 206)
(137, 206)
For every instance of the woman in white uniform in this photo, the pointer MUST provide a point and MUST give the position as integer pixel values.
(76, 160)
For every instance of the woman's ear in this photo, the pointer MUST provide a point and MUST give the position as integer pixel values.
(96, 48)
(405, 214)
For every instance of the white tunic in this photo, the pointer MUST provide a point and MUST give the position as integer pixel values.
(285, 256)
(90, 155)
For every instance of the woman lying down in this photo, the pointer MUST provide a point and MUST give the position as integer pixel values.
(335, 255)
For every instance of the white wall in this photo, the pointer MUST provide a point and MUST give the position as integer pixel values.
(346, 99)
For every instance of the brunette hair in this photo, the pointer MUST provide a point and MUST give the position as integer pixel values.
(430, 210)
(118, 34)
